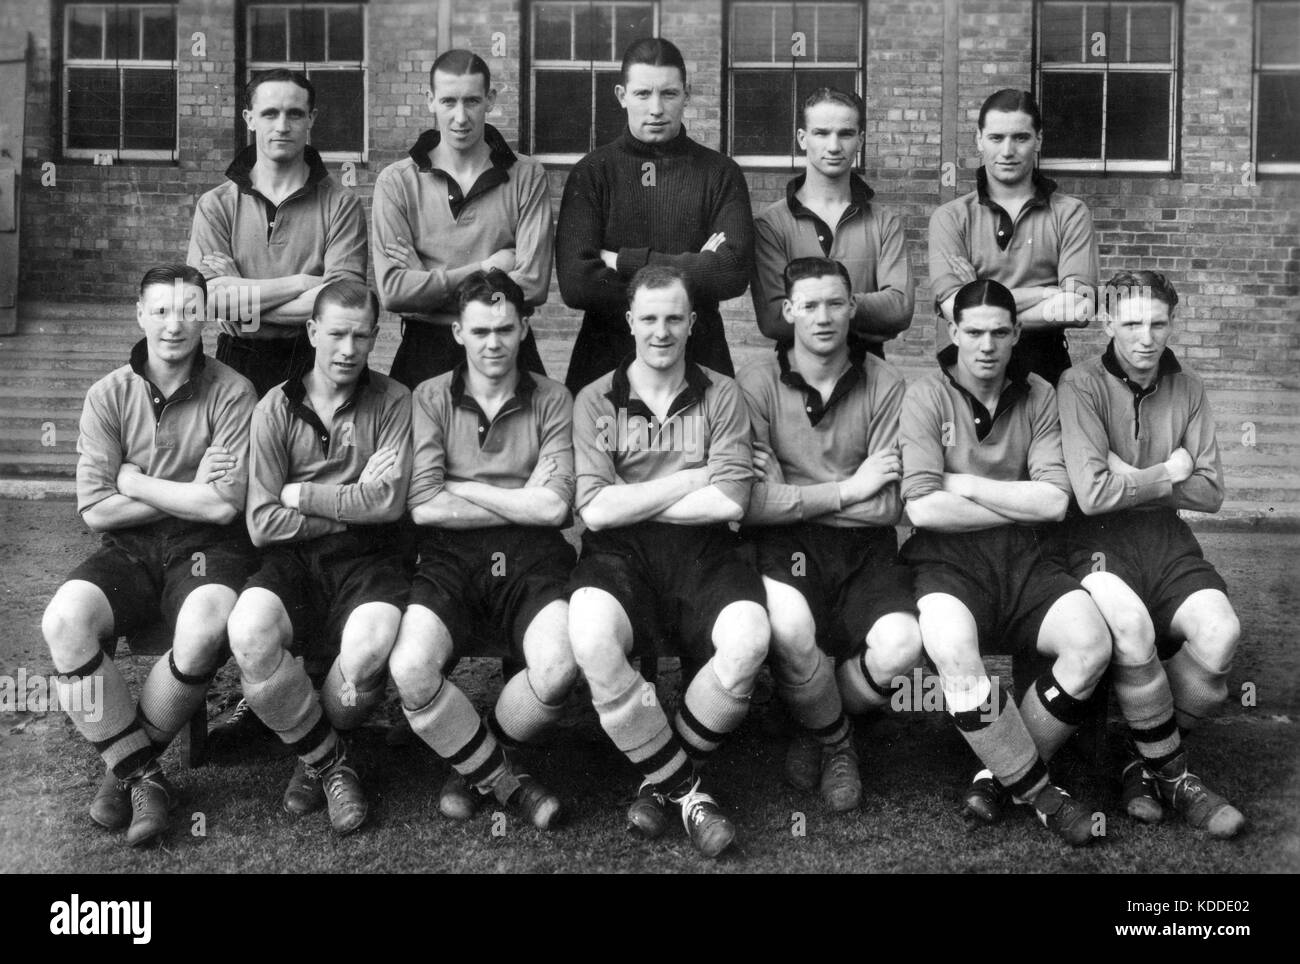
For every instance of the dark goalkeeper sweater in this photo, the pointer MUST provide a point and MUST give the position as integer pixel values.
(652, 204)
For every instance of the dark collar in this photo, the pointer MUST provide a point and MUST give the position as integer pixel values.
(241, 168)
(1043, 188)
(139, 361)
(1168, 366)
(678, 145)
(620, 389)
(499, 152)
(524, 387)
(295, 388)
(1017, 373)
(813, 405)
(860, 194)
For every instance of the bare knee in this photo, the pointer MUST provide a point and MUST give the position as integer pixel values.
(1215, 640)
(201, 629)
(74, 628)
(1133, 634)
(258, 636)
(741, 637)
(416, 672)
(894, 644)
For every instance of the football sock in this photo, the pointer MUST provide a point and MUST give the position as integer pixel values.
(346, 704)
(1051, 714)
(287, 704)
(815, 702)
(1142, 690)
(97, 700)
(1198, 690)
(169, 698)
(998, 736)
(454, 730)
(520, 716)
(855, 677)
(708, 712)
(638, 726)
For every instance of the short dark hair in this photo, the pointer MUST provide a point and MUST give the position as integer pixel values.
(280, 75)
(1137, 283)
(801, 269)
(1011, 100)
(458, 63)
(346, 294)
(984, 292)
(169, 274)
(833, 95)
(656, 276)
(654, 52)
(491, 288)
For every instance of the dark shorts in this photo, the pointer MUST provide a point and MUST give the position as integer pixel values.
(1153, 551)
(147, 571)
(849, 576)
(321, 581)
(428, 350)
(487, 585)
(265, 362)
(672, 581)
(1001, 575)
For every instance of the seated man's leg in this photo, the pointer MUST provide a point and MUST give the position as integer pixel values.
(717, 700)
(1198, 672)
(1073, 632)
(354, 685)
(893, 649)
(532, 701)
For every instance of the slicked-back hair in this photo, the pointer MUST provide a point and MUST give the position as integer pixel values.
(491, 288)
(653, 52)
(347, 294)
(984, 292)
(459, 63)
(1011, 100)
(169, 274)
(801, 269)
(656, 277)
(833, 95)
(1138, 283)
(277, 75)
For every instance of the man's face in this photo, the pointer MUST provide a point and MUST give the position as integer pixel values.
(343, 338)
(654, 98)
(1008, 145)
(820, 310)
(171, 317)
(984, 338)
(280, 121)
(460, 105)
(830, 138)
(491, 335)
(1141, 326)
(661, 320)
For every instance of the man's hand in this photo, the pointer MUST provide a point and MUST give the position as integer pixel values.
(126, 477)
(876, 471)
(542, 472)
(290, 494)
(402, 254)
(715, 241)
(963, 269)
(767, 468)
(1180, 465)
(610, 258)
(1118, 465)
(223, 265)
(378, 465)
(503, 260)
(216, 464)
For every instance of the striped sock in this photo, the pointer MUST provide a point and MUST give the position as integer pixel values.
(997, 734)
(815, 702)
(169, 698)
(1197, 689)
(347, 705)
(1142, 690)
(520, 716)
(454, 730)
(855, 678)
(286, 702)
(98, 701)
(708, 713)
(639, 728)
(1051, 714)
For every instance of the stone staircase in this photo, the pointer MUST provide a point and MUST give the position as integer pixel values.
(61, 349)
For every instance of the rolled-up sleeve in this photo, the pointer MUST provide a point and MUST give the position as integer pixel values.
(731, 456)
(230, 428)
(921, 438)
(593, 447)
(556, 424)
(1046, 459)
(380, 500)
(99, 448)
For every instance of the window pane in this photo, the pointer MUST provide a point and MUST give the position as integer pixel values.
(93, 108)
(149, 101)
(1137, 123)
(594, 26)
(159, 35)
(762, 112)
(610, 117)
(806, 81)
(1071, 106)
(1111, 29)
(761, 32)
(341, 106)
(552, 38)
(561, 113)
(347, 34)
(1279, 118)
(1279, 33)
(306, 34)
(85, 33)
(266, 34)
(1149, 35)
(1061, 33)
(123, 34)
(632, 23)
(839, 28)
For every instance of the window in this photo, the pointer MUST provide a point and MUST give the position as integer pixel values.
(1107, 77)
(119, 81)
(327, 41)
(1277, 88)
(575, 56)
(778, 54)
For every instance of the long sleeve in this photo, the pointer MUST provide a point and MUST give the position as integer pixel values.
(885, 507)
(585, 282)
(767, 288)
(556, 421)
(1077, 261)
(210, 233)
(370, 503)
(534, 235)
(230, 428)
(921, 437)
(401, 290)
(772, 503)
(99, 450)
(947, 245)
(1203, 491)
(888, 309)
(429, 430)
(1046, 460)
(345, 240)
(731, 456)
(269, 520)
(593, 450)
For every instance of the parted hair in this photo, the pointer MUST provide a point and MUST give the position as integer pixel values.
(276, 75)
(1136, 283)
(986, 291)
(458, 63)
(1010, 100)
(169, 274)
(654, 52)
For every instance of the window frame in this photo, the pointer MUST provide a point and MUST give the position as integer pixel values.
(1173, 69)
(66, 64)
(1267, 168)
(247, 66)
(795, 160)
